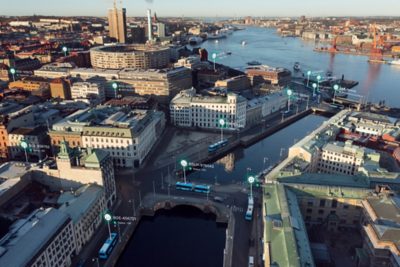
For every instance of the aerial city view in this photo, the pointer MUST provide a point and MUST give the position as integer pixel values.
(200, 134)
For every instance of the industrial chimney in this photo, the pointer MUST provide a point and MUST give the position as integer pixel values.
(149, 25)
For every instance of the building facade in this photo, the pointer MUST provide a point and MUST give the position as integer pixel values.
(117, 24)
(130, 56)
(86, 90)
(190, 110)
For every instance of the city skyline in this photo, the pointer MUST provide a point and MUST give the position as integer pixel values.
(222, 8)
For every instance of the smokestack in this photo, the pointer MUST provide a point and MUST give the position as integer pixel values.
(149, 25)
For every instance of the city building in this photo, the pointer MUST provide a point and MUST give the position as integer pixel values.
(130, 56)
(55, 70)
(128, 135)
(84, 206)
(381, 231)
(285, 237)
(27, 195)
(138, 34)
(36, 139)
(117, 24)
(44, 238)
(236, 83)
(188, 109)
(87, 90)
(260, 107)
(77, 167)
(192, 62)
(10, 120)
(160, 30)
(163, 84)
(60, 88)
(343, 158)
(269, 75)
(35, 85)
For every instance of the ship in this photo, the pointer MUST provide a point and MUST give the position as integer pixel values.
(244, 43)
(394, 62)
(296, 66)
(254, 63)
(216, 35)
(195, 40)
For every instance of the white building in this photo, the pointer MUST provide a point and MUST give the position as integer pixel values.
(343, 158)
(85, 90)
(44, 238)
(190, 110)
(128, 137)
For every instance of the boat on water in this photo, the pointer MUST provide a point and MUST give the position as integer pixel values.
(296, 66)
(254, 63)
(216, 35)
(195, 40)
(394, 62)
(244, 43)
(229, 53)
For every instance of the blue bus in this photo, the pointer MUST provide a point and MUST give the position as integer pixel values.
(249, 212)
(202, 189)
(214, 147)
(184, 186)
(108, 246)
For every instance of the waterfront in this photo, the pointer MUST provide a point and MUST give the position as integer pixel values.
(377, 81)
(181, 237)
(233, 167)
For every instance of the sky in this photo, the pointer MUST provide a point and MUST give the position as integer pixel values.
(207, 8)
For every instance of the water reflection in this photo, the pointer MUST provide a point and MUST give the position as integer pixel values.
(233, 168)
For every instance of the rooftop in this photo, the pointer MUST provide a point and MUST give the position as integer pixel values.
(284, 229)
(78, 203)
(36, 230)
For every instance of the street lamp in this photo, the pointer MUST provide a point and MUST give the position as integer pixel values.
(115, 87)
(335, 89)
(251, 180)
(13, 71)
(184, 164)
(65, 49)
(24, 145)
(222, 124)
(318, 80)
(214, 57)
(108, 218)
(314, 86)
(289, 93)
(308, 77)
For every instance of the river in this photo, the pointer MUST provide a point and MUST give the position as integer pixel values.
(377, 81)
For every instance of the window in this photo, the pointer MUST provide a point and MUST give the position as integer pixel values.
(322, 203)
(320, 211)
(309, 210)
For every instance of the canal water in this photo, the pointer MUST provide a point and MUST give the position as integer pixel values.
(187, 237)
(181, 237)
(377, 81)
(235, 166)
